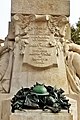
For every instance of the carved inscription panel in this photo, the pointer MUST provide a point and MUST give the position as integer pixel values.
(41, 48)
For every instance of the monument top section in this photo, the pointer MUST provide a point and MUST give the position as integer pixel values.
(54, 7)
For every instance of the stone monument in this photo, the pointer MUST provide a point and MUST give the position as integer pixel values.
(34, 48)
(39, 31)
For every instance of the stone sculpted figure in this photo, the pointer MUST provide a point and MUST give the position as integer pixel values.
(73, 66)
(6, 58)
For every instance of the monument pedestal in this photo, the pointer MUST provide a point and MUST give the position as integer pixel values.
(37, 114)
(40, 115)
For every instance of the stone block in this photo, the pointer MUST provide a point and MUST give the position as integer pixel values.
(77, 98)
(54, 7)
(3, 97)
(39, 115)
(5, 112)
(73, 108)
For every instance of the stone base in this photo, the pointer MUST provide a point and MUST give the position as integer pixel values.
(4, 104)
(6, 110)
(31, 114)
(77, 98)
(40, 115)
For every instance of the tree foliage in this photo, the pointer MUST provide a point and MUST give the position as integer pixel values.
(75, 33)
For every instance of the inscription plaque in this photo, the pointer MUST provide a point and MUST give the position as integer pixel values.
(39, 52)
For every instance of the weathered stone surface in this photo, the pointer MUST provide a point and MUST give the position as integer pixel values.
(77, 98)
(6, 111)
(73, 108)
(3, 97)
(38, 51)
(39, 115)
(11, 31)
(54, 7)
(26, 76)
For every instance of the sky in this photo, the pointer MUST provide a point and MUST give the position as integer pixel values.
(5, 10)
